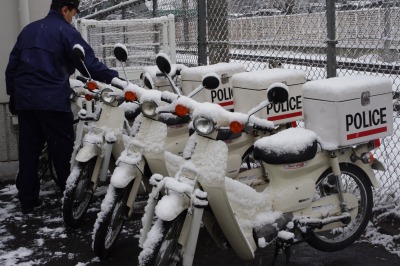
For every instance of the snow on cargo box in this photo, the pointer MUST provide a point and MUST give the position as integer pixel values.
(348, 110)
(250, 88)
(192, 78)
(160, 81)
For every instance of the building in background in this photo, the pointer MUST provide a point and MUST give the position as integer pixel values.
(14, 15)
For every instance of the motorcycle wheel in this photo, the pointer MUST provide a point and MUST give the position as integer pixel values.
(77, 196)
(166, 252)
(110, 221)
(354, 181)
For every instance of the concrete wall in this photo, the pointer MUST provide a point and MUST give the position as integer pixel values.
(14, 15)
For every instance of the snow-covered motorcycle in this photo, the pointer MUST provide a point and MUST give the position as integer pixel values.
(96, 145)
(156, 135)
(321, 196)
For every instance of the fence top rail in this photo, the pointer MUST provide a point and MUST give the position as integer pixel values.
(125, 22)
(115, 7)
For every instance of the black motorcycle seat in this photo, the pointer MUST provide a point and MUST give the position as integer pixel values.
(292, 145)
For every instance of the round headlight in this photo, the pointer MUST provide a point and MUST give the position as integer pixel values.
(106, 95)
(149, 108)
(203, 125)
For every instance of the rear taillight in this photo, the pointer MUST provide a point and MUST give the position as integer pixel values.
(376, 143)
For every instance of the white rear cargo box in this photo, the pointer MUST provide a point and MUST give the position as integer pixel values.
(192, 78)
(161, 82)
(348, 110)
(250, 88)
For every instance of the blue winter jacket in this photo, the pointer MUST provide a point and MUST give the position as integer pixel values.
(41, 62)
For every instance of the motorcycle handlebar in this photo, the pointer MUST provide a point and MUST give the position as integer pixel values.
(165, 99)
(262, 128)
(83, 79)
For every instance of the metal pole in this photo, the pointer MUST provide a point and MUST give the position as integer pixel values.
(386, 31)
(156, 28)
(202, 32)
(331, 42)
(217, 11)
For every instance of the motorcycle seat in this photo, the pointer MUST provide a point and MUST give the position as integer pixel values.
(293, 145)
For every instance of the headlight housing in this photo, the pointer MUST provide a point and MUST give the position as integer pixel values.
(203, 125)
(106, 95)
(149, 108)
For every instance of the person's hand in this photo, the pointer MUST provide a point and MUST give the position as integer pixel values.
(11, 105)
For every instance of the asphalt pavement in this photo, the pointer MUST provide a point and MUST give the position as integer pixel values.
(43, 239)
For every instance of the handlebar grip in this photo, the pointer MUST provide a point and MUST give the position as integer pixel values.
(118, 86)
(165, 99)
(262, 128)
(83, 79)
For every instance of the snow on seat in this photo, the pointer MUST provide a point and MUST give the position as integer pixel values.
(292, 145)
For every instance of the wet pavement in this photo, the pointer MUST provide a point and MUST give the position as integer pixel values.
(43, 239)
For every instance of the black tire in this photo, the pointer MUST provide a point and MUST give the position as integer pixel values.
(78, 193)
(166, 251)
(354, 180)
(110, 221)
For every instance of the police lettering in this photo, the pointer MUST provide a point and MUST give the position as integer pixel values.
(293, 103)
(221, 94)
(366, 119)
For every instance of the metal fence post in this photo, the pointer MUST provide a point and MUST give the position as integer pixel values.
(202, 33)
(217, 11)
(331, 42)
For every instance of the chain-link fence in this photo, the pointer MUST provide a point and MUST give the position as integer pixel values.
(325, 38)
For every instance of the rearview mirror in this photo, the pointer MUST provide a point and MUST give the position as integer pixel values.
(78, 52)
(211, 82)
(163, 64)
(120, 52)
(147, 80)
(277, 93)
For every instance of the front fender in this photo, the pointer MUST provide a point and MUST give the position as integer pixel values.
(123, 174)
(87, 152)
(171, 205)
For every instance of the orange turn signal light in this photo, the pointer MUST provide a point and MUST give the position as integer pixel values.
(181, 110)
(130, 96)
(236, 127)
(88, 97)
(91, 85)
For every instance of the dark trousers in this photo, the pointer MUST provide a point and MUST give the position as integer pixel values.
(36, 128)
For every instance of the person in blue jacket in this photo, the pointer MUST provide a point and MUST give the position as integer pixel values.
(37, 80)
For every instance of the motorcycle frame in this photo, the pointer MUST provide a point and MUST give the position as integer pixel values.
(110, 118)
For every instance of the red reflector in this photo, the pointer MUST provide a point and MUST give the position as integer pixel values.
(130, 96)
(88, 97)
(294, 124)
(181, 110)
(236, 127)
(377, 143)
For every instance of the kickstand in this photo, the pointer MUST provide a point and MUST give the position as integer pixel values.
(286, 250)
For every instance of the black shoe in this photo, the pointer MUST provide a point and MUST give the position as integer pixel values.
(28, 210)
(38, 203)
